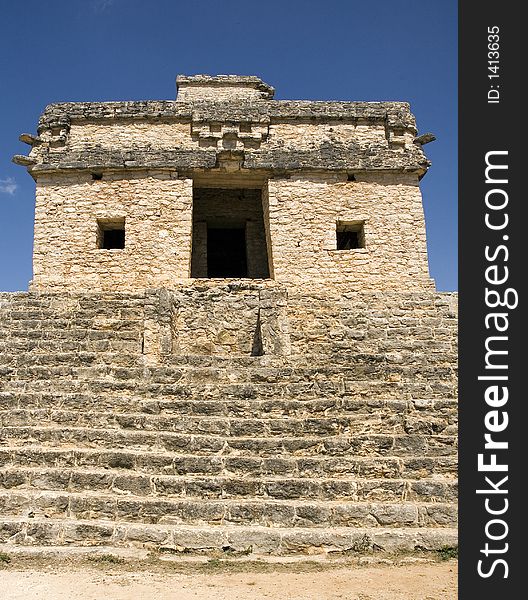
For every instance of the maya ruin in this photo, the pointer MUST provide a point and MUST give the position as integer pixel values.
(231, 340)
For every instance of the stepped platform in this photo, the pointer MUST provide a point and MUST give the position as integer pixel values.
(232, 417)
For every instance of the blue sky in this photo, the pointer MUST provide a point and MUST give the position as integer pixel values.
(96, 50)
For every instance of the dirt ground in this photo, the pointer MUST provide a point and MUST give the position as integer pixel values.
(410, 579)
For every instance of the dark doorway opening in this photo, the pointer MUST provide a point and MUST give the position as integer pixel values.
(226, 252)
(229, 235)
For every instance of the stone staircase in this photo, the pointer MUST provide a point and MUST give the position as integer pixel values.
(105, 442)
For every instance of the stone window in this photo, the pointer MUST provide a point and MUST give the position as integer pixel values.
(350, 235)
(111, 234)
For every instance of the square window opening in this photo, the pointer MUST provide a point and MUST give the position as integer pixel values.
(350, 236)
(111, 234)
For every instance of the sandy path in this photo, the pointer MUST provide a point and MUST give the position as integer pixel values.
(429, 581)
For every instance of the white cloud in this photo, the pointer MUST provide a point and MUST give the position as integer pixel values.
(102, 5)
(8, 186)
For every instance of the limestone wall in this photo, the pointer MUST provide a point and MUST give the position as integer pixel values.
(241, 319)
(400, 325)
(111, 134)
(304, 210)
(304, 135)
(171, 134)
(232, 319)
(300, 215)
(156, 208)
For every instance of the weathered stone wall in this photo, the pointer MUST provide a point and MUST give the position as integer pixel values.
(181, 134)
(304, 211)
(240, 319)
(157, 208)
(302, 136)
(402, 328)
(135, 134)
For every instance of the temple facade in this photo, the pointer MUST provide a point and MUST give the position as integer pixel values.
(227, 183)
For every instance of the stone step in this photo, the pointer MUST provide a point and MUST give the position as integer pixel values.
(23, 302)
(166, 463)
(64, 329)
(317, 398)
(329, 317)
(24, 311)
(253, 539)
(75, 371)
(315, 389)
(40, 341)
(68, 315)
(233, 362)
(41, 349)
(20, 369)
(284, 426)
(333, 314)
(67, 341)
(305, 360)
(197, 511)
(21, 310)
(358, 306)
(56, 328)
(83, 299)
(100, 357)
(19, 322)
(240, 407)
(359, 367)
(357, 445)
(125, 482)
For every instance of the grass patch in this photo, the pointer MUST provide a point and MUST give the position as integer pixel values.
(107, 559)
(448, 552)
(5, 559)
(219, 565)
(213, 563)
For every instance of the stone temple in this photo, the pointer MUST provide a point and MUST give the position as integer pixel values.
(231, 339)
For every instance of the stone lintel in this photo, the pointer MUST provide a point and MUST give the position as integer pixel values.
(278, 161)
